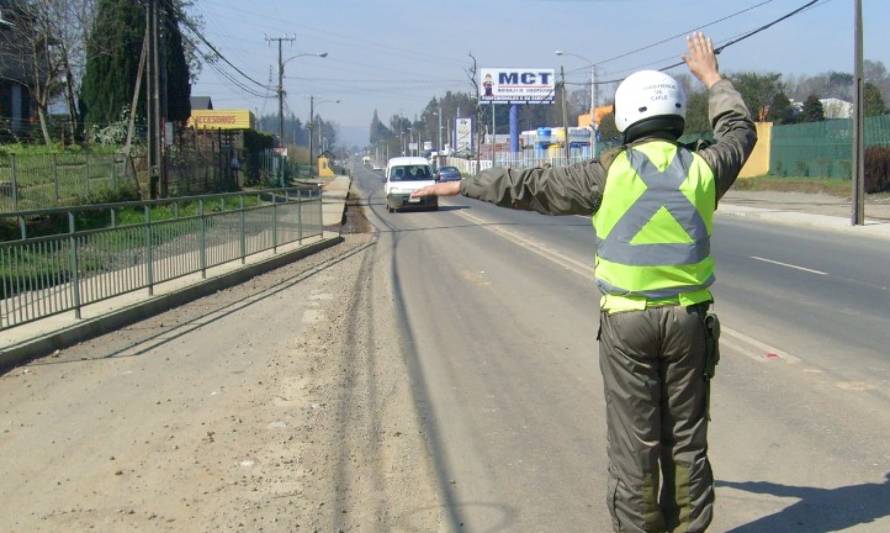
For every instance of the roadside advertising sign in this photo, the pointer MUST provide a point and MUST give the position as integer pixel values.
(464, 130)
(518, 85)
(427, 146)
(412, 146)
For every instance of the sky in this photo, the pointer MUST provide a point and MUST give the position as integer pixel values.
(394, 55)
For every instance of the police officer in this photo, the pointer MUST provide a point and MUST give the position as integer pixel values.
(652, 204)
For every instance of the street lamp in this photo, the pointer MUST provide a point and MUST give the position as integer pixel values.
(281, 64)
(310, 54)
(592, 76)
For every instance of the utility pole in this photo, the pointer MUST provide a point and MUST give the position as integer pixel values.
(149, 106)
(153, 104)
(471, 73)
(311, 132)
(858, 174)
(156, 98)
(565, 118)
(441, 147)
(494, 133)
(280, 88)
(593, 94)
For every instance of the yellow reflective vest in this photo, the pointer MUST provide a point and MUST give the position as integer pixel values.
(654, 228)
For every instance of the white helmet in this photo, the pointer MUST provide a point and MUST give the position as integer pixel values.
(647, 94)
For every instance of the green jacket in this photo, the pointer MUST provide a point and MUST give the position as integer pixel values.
(577, 189)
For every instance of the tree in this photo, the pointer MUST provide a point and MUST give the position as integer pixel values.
(876, 73)
(607, 129)
(758, 90)
(812, 110)
(697, 120)
(379, 133)
(178, 80)
(113, 52)
(780, 110)
(30, 53)
(872, 101)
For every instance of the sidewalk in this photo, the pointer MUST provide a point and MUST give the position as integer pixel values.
(42, 336)
(805, 209)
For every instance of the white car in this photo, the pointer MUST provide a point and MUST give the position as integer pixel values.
(405, 175)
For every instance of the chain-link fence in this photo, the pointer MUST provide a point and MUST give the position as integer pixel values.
(37, 181)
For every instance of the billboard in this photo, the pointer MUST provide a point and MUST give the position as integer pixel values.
(463, 129)
(221, 119)
(517, 85)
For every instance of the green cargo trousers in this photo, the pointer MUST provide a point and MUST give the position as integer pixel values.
(653, 365)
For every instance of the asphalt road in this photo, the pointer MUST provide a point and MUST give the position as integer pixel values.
(499, 312)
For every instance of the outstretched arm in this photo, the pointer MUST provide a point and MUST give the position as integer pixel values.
(573, 190)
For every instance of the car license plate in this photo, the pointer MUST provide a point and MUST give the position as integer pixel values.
(413, 200)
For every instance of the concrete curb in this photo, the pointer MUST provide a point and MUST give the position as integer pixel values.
(31, 349)
(340, 219)
(874, 229)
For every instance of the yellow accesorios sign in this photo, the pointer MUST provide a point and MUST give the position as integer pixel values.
(222, 119)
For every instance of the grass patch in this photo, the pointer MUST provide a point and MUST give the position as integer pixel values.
(57, 148)
(93, 219)
(833, 186)
(36, 269)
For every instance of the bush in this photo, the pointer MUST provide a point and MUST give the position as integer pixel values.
(877, 169)
(126, 192)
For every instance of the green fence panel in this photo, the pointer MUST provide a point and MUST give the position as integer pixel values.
(822, 149)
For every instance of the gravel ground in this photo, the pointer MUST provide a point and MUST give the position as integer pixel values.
(283, 404)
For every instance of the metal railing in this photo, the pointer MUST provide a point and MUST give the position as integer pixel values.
(87, 254)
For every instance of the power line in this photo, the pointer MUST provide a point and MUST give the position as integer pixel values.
(732, 41)
(672, 37)
(188, 24)
(326, 33)
(368, 80)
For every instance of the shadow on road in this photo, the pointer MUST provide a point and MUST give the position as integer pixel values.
(819, 510)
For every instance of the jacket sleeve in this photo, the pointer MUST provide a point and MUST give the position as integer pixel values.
(573, 190)
(734, 132)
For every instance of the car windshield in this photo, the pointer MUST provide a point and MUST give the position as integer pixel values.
(410, 173)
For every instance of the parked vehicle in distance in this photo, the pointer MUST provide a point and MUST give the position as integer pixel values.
(405, 175)
(448, 174)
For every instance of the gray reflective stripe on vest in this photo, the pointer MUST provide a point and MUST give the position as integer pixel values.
(662, 190)
(657, 294)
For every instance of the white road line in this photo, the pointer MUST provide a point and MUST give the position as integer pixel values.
(795, 267)
(763, 352)
(564, 261)
(766, 353)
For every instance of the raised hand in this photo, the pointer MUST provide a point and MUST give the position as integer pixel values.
(701, 59)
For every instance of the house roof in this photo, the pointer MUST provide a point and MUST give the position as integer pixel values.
(201, 102)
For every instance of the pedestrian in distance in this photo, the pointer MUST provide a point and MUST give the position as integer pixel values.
(652, 204)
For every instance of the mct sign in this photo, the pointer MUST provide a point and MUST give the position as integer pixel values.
(517, 85)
